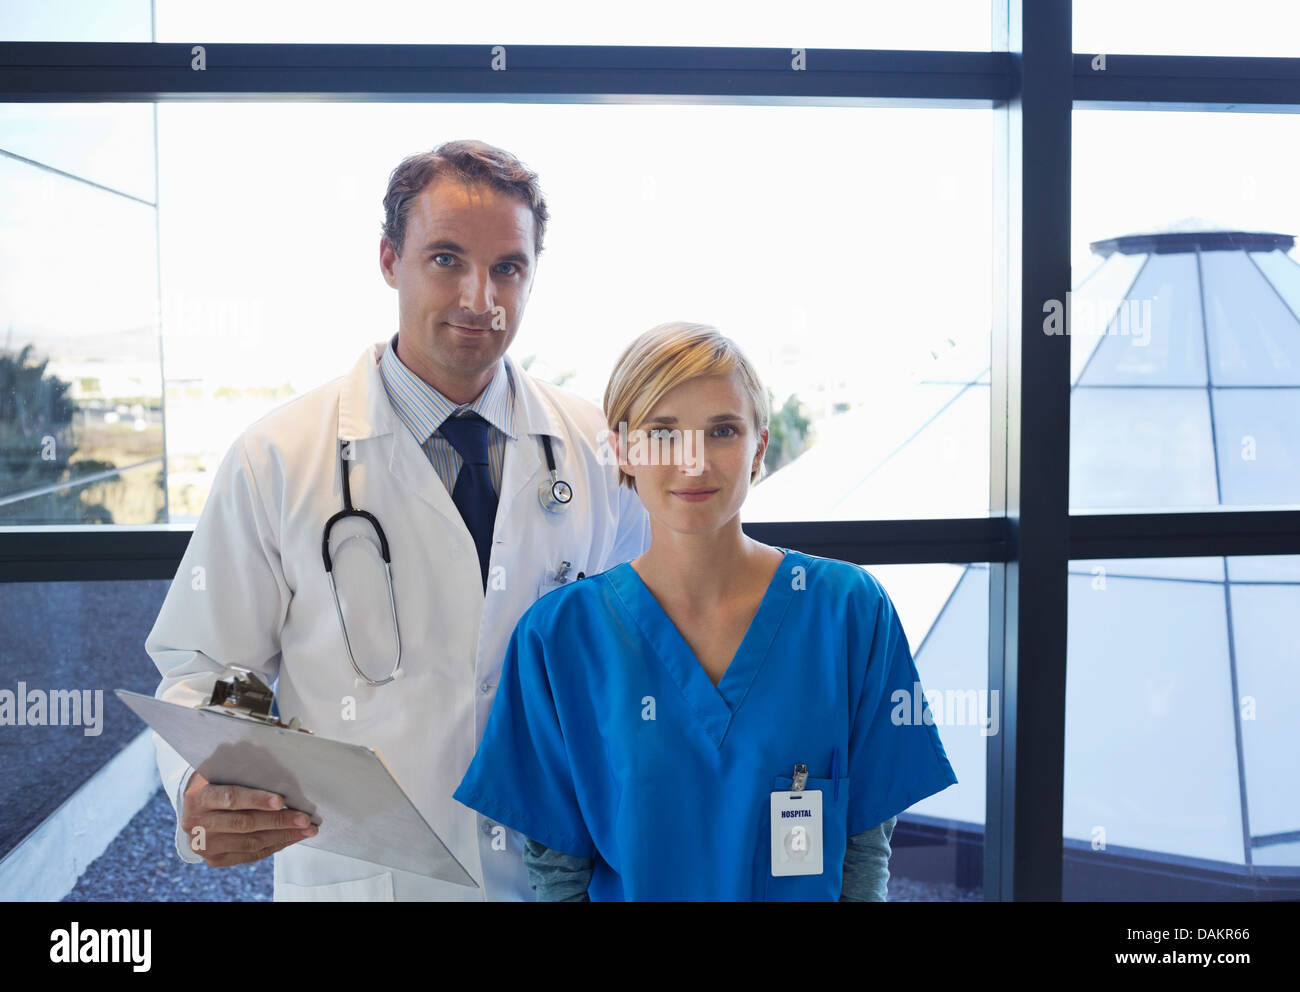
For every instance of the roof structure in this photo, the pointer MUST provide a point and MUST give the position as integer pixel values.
(1183, 673)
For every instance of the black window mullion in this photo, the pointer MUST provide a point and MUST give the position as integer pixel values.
(1031, 390)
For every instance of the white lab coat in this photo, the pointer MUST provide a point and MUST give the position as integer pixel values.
(252, 590)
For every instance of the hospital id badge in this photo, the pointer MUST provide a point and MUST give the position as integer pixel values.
(797, 833)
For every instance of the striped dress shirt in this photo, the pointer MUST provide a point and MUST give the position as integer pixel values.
(423, 409)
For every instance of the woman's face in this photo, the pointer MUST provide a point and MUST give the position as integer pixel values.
(700, 481)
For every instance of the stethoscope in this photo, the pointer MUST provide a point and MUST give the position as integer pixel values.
(554, 494)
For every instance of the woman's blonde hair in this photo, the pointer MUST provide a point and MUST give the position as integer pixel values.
(663, 358)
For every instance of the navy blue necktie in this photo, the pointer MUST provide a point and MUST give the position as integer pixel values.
(474, 496)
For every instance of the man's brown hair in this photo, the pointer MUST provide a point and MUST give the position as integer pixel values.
(469, 162)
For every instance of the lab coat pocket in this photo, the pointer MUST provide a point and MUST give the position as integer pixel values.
(810, 888)
(376, 888)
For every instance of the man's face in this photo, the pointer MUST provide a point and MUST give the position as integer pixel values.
(462, 281)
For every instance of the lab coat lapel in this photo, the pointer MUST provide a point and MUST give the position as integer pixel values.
(366, 412)
(523, 459)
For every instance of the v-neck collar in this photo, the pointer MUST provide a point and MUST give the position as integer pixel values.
(714, 706)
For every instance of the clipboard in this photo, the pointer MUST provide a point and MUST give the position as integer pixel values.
(347, 789)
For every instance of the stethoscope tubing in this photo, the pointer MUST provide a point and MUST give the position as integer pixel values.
(560, 495)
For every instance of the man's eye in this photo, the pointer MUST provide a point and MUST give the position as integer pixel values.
(442, 254)
(513, 268)
(727, 427)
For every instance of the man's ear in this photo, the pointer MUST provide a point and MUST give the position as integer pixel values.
(388, 261)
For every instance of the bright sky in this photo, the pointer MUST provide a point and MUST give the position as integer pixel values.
(899, 255)
(1155, 27)
(935, 24)
(789, 228)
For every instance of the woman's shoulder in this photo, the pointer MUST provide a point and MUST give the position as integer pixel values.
(578, 599)
(833, 574)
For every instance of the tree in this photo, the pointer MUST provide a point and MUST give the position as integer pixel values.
(37, 444)
(787, 433)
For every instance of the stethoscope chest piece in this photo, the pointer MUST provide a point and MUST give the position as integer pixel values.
(554, 493)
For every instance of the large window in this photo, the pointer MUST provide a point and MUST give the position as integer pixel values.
(272, 287)
(81, 377)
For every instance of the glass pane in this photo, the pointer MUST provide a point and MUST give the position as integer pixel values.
(938, 845)
(923, 24)
(1268, 670)
(919, 399)
(1167, 774)
(1095, 304)
(1154, 765)
(75, 20)
(1209, 207)
(899, 456)
(1140, 448)
(641, 236)
(1265, 568)
(1187, 27)
(108, 143)
(1161, 568)
(1254, 337)
(1258, 437)
(80, 374)
(1283, 273)
(1152, 335)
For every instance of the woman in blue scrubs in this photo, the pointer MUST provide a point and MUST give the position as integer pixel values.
(716, 719)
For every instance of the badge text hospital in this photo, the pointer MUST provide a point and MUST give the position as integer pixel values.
(797, 832)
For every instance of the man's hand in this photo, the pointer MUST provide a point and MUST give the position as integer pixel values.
(238, 825)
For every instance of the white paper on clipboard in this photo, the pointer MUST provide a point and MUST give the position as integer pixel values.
(347, 789)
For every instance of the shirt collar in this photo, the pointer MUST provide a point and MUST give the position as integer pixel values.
(423, 408)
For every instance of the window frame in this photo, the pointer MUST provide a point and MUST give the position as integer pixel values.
(1032, 84)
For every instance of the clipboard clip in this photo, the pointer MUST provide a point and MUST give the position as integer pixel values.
(240, 692)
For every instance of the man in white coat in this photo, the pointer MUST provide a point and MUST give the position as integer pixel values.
(443, 438)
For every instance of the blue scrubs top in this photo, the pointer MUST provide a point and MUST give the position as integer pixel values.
(608, 739)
